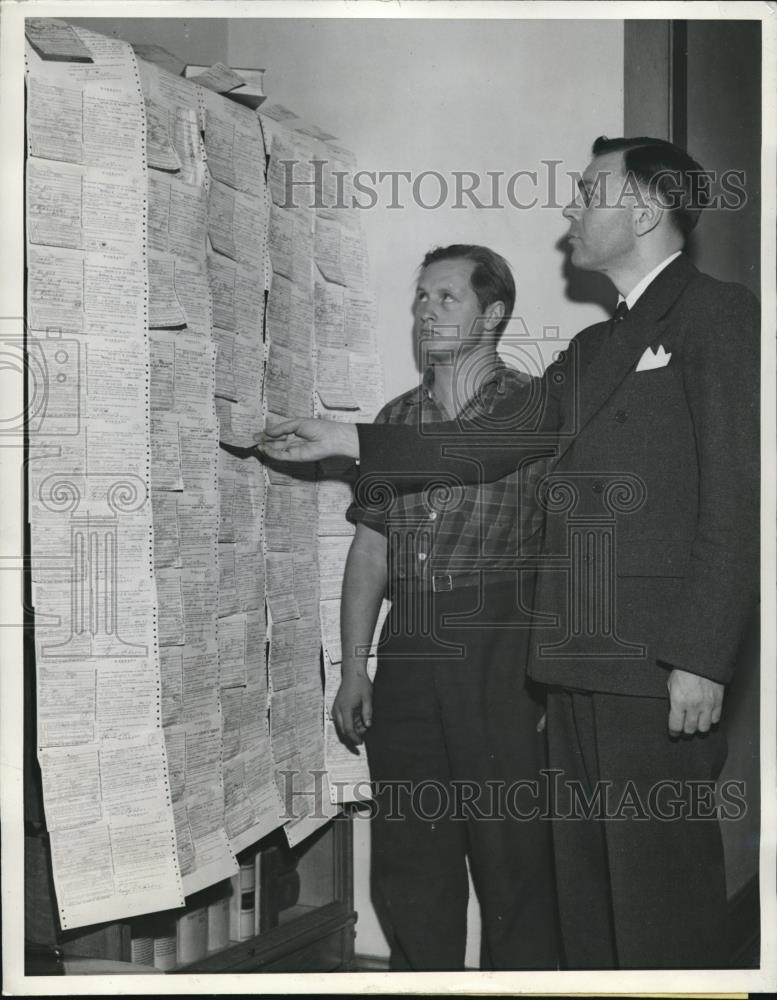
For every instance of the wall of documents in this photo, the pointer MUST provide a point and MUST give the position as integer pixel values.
(182, 590)
(100, 627)
(318, 363)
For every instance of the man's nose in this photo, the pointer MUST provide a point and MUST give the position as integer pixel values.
(570, 211)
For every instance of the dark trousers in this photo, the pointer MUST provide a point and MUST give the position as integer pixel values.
(641, 883)
(450, 734)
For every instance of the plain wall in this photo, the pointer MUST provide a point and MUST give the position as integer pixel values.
(449, 95)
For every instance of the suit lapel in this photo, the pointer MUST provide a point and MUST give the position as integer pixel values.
(619, 354)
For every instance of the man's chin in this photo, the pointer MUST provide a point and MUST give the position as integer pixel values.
(443, 352)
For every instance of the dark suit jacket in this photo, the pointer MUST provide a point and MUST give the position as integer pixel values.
(683, 442)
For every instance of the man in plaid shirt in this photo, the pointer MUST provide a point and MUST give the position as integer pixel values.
(451, 728)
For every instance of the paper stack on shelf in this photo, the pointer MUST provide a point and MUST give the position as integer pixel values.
(192, 935)
(246, 86)
(242, 905)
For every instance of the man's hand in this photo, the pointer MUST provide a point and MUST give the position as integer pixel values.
(303, 440)
(695, 703)
(352, 709)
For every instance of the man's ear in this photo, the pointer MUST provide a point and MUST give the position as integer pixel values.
(494, 315)
(647, 216)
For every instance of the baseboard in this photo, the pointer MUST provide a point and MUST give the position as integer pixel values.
(373, 963)
(369, 963)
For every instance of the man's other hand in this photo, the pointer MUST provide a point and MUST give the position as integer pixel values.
(301, 439)
(352, 710)
(695, 703)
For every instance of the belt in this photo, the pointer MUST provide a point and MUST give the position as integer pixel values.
(442, 582)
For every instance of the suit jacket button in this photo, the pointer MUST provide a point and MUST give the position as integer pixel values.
(621, 416)
(598, 486)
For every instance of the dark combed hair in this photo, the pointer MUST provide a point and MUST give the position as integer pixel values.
(491, 278)
(672, 176)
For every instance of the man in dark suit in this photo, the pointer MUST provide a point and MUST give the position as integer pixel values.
(659, 464)
(650, 561)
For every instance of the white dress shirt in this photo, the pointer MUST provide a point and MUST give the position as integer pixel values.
(640, 287)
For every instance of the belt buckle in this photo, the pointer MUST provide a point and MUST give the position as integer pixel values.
(442, 581)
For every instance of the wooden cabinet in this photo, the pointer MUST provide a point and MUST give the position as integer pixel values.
(315, 932)
(306, 899)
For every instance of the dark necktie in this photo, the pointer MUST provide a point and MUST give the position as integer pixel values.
(618, 316)
(605, 343)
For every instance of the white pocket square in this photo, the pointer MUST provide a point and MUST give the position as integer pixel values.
(653, 359)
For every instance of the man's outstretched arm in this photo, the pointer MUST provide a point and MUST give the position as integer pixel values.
(407, 457)
(305, 439)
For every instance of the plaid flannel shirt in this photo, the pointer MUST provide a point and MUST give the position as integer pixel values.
(460, 529)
